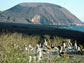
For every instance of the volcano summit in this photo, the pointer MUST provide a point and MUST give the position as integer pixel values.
(39, 13)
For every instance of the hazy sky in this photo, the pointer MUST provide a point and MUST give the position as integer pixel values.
(74, 6)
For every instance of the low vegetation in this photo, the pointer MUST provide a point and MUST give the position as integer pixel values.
(12, 49)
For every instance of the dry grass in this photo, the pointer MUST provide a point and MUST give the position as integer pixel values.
(12, 49)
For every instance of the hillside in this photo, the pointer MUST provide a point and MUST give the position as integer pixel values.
(39, 13)
(12, 49)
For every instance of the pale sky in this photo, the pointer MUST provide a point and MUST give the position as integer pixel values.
(74, 6)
